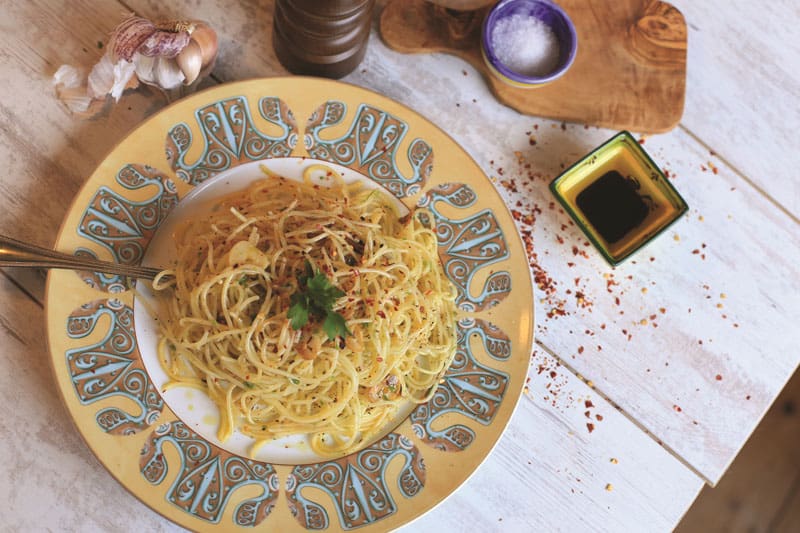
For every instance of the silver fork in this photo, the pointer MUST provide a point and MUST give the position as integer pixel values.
(15, 253)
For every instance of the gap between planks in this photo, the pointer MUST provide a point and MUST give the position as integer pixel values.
(626, 414)
(740, 174)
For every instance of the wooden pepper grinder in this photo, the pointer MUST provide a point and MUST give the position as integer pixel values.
(321, 37)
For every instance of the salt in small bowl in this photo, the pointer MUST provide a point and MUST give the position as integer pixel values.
(553, 16)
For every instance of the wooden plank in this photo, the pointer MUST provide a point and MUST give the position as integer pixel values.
(743, 90)
(762, 486)
(52, 479)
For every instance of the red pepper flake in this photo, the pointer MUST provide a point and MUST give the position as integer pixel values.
(590, 426)
(747, 397)
(599, 418)
(553, 373)
(588, 404)
(718, 377)
(580, 349)
(677, 408)
(587, 414)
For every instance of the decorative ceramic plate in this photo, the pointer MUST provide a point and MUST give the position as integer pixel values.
(162, 446)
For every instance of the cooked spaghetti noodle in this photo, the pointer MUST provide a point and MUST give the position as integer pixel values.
(226, 329)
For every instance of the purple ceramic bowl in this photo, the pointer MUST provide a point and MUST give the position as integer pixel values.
(549, 13)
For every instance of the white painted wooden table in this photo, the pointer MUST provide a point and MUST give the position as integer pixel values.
(672, 363)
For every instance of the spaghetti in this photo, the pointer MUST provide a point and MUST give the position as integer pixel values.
(225, 327)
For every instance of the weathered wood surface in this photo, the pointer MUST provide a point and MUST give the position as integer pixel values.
(751, 256)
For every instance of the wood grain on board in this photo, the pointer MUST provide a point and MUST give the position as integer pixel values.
(629, 72)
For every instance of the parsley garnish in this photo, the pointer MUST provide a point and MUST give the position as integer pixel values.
(315, 298)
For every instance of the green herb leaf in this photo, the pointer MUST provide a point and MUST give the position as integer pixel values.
(295, 381)
(298, 314)
(315, 298)
(335, 326)
(248, 385)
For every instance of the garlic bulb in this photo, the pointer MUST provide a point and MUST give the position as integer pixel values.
(165, 55)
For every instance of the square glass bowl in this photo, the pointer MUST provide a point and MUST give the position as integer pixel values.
(619, 197)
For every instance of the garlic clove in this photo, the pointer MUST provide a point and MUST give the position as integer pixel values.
(168, 74)
(145, 67)
(190, 61)
(206, 38)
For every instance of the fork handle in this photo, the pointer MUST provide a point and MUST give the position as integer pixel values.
(16, 253)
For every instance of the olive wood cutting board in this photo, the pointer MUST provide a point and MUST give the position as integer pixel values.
(629, 71)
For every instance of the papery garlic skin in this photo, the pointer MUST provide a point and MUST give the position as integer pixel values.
(128, 36)
(109, 78)
(164, 44)
(70, 90)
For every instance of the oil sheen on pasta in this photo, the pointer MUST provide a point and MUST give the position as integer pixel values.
(224, 326)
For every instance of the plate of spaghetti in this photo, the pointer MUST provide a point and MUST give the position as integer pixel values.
(342, 324)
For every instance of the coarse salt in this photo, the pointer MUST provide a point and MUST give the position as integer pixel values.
(525, 45)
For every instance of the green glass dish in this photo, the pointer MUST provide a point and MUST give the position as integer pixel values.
(619, 197)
